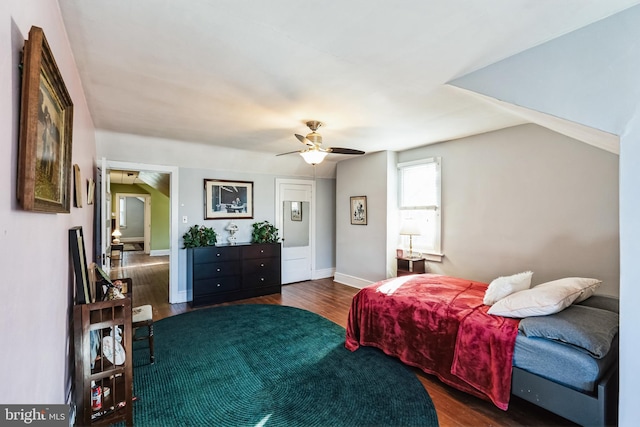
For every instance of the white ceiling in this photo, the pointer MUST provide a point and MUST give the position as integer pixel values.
(248, 74)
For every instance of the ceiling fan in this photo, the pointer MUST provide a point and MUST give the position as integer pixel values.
(315, 152)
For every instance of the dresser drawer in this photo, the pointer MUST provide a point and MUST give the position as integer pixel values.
(260, 265)
(216, 254)
(267, 278)
(261, 251)
(214, 286)
(217, 269)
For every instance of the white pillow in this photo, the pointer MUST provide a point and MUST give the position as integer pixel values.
(587, 286)
(546, 298)
(506, 285)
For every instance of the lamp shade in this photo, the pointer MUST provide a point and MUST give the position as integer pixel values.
(313, 156)
(410, 228)
(116, 233)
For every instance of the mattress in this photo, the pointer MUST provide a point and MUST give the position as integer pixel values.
(562, 363)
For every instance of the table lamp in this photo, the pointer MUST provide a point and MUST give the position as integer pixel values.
(116, 237)
(410, 228)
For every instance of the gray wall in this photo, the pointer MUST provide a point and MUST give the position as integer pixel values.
(135, 219)
(526, 198)
(362, 253)
(325, 224)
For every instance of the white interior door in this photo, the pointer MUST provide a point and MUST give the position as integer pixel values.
(295, 222)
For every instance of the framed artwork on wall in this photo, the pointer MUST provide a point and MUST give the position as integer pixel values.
(359, 210)
(78, 255)
(46, 123)
(296, 211)
(77, 185)
(91, 190)
(228, 199)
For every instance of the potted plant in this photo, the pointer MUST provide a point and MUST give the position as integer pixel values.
(199, 236)
(264, 232)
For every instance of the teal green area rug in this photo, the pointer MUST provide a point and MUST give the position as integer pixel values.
(270, 365)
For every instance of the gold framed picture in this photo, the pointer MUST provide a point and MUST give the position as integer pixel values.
(46, 123)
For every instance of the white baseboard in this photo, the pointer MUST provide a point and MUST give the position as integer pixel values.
(160, 252)
(322, 274)
(355, 282)
(183, 296)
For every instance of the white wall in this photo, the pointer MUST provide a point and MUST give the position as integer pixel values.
(589, 76)
(527, 198)
(37, 278)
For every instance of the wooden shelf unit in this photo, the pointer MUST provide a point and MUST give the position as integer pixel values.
(99, 318)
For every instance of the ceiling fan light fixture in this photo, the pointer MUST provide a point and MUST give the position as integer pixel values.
(313, 157)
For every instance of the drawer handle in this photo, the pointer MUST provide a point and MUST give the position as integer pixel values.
(218, 254)
(262, 279)
(261, 251)
(218, 285)
(261, 265)
(218, 270)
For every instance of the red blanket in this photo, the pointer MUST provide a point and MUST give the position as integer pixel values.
(440, 325)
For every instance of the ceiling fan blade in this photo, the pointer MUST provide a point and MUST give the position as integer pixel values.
(289, 152)
(338, 150)
(304, 140)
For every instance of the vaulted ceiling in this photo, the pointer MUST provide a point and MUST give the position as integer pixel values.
(249, 74)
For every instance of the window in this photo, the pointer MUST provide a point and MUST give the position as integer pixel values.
(419, 202)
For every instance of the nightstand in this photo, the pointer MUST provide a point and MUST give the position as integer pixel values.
(411, 266)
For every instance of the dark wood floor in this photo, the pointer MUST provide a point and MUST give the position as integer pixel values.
(332, 300)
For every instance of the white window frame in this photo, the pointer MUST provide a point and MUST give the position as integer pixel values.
(435, 253)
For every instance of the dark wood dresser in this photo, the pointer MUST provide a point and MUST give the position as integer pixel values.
(231, 272)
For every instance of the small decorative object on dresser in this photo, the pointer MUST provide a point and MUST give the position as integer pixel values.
(232, 228)
(264, 232)
(199, 236)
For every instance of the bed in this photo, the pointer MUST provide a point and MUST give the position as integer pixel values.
(441, 325)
